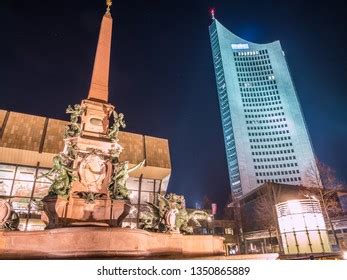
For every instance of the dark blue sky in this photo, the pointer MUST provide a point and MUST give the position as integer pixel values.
(162, 74)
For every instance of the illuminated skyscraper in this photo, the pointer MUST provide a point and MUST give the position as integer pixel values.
(265, 136)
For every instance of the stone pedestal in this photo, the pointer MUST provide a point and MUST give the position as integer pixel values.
(89, 159)
(101, 242)
(59, 212)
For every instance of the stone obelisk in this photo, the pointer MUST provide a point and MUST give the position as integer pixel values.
(99, 84)
(90, 185)
(95, 119)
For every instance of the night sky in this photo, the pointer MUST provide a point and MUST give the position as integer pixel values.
(162, 74)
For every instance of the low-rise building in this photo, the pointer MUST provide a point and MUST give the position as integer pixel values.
(259, 230)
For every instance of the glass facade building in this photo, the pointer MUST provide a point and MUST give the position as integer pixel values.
(265, 135)
(23, 188)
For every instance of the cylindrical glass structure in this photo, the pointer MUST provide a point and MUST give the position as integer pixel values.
(302, 227)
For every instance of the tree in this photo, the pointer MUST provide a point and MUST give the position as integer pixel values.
(322, 176)
(263, 208)
(265, 212)
(323, 186)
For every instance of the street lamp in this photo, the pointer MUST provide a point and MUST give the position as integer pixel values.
(209, 221)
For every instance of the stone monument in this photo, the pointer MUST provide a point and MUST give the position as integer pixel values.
(170, 215)
(88, 180)
(88, 198)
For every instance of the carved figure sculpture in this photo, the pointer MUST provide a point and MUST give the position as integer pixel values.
(72, 151)
(60, 175)
(73, 129)
(9, 220)
(170, 215)
(170, 219)
(118, 188)
(183, 218)
(118, 123)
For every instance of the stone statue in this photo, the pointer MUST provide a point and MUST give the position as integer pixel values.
(73, 128)
(90, 197)
(71, 151)
(60, 175)
(9, 220)
(114, 155)
(118, 123)
(170, 215)
(183, 218)
(170, 219)
(118, 187)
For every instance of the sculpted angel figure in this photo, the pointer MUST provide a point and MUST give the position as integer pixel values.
(72, 151)
(119, 122)
(118, 187)
(60, 175)
(74, 127)
(75, 112)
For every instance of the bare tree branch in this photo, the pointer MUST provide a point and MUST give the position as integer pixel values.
(323, 186)
(264, 212)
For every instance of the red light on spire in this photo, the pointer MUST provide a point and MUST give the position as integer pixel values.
(212, 11)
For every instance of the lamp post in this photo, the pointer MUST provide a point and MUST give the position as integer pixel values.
(209, 223)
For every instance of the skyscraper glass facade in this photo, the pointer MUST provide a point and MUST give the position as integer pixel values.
(264, 131)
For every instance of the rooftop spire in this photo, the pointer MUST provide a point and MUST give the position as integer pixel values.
(99, 84)
(212, 11)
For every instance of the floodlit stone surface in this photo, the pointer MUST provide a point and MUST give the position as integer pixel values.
(60, 212)
(99, 85)
(88, 181)
(104, 242)
(272, 256)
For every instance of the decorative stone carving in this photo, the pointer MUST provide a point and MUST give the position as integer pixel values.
(73, 128)
(95, 119)
(92, 172)
(117, 187)
(5, 211)
(9, 219)
(170, 215)
(118, 123)
(84, 209)
(88, 180)
(61, 176)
